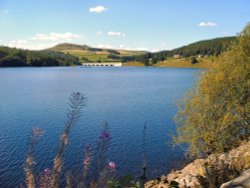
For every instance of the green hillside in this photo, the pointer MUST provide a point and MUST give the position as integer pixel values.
(206, 47)
(202, 49)
(89, 54)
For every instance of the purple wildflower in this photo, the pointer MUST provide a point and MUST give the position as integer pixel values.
(111, 166)
(86, 162)
(47, 172)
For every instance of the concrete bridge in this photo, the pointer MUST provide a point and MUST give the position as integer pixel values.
(115, 64)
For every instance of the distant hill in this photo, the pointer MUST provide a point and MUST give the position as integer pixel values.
(86, 53)
(213, 47)
(206, 47)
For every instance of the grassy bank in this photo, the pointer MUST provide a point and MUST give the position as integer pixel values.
(204, 62)
(186, 63)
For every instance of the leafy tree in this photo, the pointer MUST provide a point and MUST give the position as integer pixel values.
(215, 117)
(145, 61)
(194, 61)
(154, 60)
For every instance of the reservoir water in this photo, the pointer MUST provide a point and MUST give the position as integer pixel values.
(125, 97)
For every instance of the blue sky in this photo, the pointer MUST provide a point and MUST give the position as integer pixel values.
(127, 24)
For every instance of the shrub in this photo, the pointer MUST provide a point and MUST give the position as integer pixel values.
(215, 116)
(194, 61)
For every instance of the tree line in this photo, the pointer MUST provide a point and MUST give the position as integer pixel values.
(12, 57)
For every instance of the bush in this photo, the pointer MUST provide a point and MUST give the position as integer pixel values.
(215, 117)
(194, 61)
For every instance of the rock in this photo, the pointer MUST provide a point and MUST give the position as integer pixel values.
(196, 173)
(242, 181)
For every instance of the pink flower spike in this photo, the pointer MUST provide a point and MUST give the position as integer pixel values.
(47, 172)
(86, 162)
(111, 165)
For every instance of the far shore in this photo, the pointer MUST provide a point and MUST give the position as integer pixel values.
(204, 62)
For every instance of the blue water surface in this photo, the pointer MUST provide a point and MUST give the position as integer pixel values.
(125, 97)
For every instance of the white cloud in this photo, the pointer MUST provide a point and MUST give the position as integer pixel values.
(29, 45)
(155, 50)
(207, 24)
(140, 49)
(56, 36)
(6, 11)
(116, 34)
(97, 9)
(123, 47)
(20, 43)
(99, 32)
(105, 46)
(224, 33)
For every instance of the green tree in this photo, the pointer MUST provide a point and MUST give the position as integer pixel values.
(154, 60)
(215, 117)
(145, 61)
(194, 61)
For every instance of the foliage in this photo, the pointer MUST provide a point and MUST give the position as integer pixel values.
(207, 47)
(12, 57)
(194, 61)
(215, 117)
(154, 60)
(125, 181)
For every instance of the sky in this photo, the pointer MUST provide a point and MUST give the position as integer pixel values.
(150, 25)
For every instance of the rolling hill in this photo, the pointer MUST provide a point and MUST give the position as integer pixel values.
(204, 50)
(86, 53)
(205, 47)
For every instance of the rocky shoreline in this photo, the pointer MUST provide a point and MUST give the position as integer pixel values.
(231, 169)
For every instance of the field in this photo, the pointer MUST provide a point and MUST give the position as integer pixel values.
(89, 54)
(203, 62)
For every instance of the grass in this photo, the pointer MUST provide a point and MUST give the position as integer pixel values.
(133, 64)
(91, 56)
(128, 52)
(204, 62)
